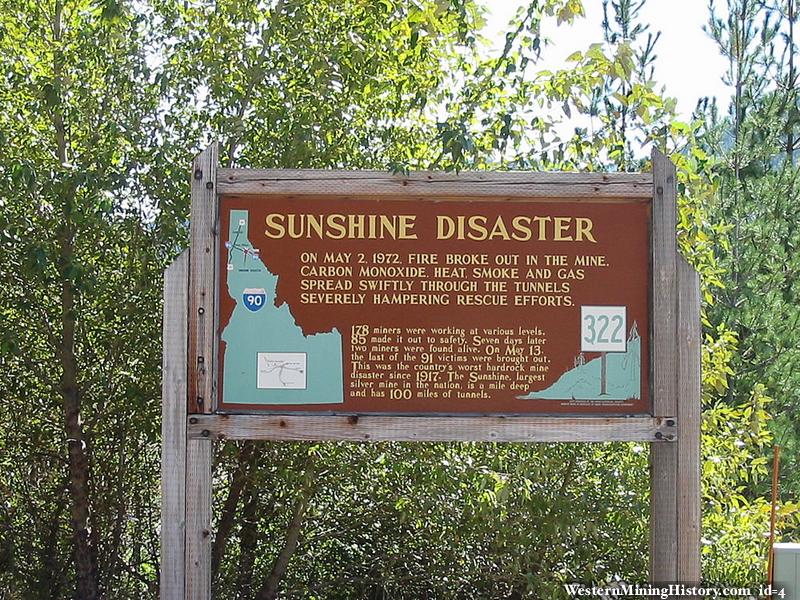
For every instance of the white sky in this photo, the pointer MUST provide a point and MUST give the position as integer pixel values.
(688, 63)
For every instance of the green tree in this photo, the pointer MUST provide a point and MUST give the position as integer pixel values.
(755, 142)
(77, 265)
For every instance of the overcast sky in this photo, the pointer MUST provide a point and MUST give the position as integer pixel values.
(688, 63)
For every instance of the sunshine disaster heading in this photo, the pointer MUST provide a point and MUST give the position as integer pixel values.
(520, 228)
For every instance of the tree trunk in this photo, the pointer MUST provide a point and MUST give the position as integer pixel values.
(84, 554)
(78, 462)
(791, 88)
(240, 479)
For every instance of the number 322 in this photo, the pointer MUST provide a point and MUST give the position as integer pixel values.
(602, 322)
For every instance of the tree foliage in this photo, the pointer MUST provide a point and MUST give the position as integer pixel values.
(755, 144)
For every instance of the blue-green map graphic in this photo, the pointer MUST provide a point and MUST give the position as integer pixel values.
(267, 358)
(623, 377)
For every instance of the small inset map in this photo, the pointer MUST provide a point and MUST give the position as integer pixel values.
(281, 370)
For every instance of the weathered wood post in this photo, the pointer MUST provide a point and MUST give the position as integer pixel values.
(188, 388)
(202, 396)
(185, 464)
(173, 429)
(674, 468)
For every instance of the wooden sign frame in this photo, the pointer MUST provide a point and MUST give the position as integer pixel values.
(191, 423)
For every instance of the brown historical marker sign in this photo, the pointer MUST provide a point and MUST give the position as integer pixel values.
(344, 304)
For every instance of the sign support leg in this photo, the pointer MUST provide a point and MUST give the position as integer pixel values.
(199, 457)
(674, 467)
(173, 429)
(185, 464)
(689, 382)
(664, 350)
